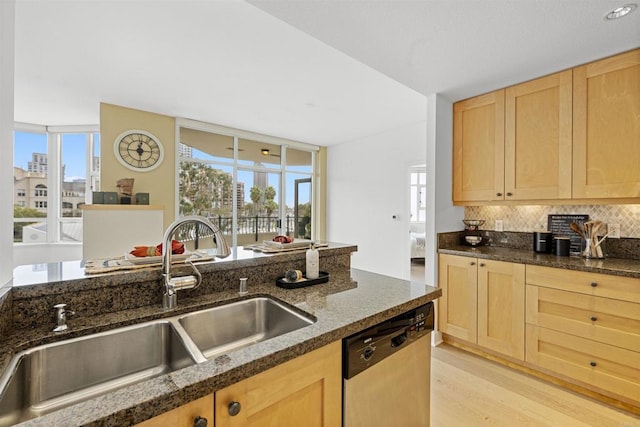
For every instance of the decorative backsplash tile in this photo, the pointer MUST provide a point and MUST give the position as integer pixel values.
(534, 218)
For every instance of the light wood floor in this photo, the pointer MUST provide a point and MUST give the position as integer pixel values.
(469, 391)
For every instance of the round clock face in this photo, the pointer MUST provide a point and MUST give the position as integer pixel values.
(138, 150)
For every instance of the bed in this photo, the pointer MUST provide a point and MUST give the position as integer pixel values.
(417, 245)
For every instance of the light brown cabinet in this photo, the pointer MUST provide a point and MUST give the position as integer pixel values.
(585, 327)
(569, 135)
(483, 302)
(538, 125)
(185, 415)
(304, 391)
(478, 148)
(606, 135)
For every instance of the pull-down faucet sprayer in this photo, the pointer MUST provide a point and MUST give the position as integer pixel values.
(172, 285)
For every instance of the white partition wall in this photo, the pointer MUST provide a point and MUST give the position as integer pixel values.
(110, 231)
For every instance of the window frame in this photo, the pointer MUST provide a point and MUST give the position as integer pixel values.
(238, 134)
(53, 189)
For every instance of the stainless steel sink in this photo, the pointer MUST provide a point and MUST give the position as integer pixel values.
(239, 324)
(52, 376)
(49, 377)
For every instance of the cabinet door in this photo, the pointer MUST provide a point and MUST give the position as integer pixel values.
(501, 307)
(538, 125)
(184, 415)
(478, 148)
(606, 134)
(306, 391)
(457, 308)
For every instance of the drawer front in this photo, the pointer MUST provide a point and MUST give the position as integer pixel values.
(602, 285)
(604, 320)
(606, 367)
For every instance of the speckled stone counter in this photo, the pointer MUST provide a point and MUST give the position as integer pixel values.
(351, 301)
(613, 266)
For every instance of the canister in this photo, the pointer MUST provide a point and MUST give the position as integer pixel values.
(561, 245)
(542, 242)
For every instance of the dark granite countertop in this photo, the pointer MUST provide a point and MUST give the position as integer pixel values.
(351, 301)
(613, 266)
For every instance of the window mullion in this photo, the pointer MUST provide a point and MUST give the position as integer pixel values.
(54, 148)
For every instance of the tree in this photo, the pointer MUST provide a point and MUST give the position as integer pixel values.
(270, 206)
(256, 196)
(203, 190)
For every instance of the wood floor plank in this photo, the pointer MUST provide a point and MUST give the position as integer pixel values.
(468, 391)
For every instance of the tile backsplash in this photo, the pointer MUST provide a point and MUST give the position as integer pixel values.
(534, 218)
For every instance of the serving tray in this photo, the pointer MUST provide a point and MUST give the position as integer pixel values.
(323, 277)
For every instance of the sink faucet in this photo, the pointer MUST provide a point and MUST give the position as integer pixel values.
(172, 285)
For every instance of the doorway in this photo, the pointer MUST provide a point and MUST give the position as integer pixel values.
(417, 224)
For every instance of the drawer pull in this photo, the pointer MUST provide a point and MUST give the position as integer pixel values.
(472, 263)
(482, 264)
(593, 363)
(593, 318)
(594, 284)
(499, 194)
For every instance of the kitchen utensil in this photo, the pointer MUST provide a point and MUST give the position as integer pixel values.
(576, 228)
(472, 224)
(473, 240)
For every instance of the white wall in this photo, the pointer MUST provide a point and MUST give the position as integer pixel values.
(441, 214)
(368, 183)
(7, 37)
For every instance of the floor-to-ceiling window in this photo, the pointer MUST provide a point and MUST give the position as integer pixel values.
(55, 171)
(252, 188)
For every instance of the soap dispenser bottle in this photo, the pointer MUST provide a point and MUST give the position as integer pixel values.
(313, 262)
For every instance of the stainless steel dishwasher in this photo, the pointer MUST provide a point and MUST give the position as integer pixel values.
(386, 372)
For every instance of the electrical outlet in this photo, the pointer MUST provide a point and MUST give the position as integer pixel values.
(613, 230)
(499, 226)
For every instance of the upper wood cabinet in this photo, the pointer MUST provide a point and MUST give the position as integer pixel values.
(538, 139)
(570, 135)
(478, 148)
(514, 144)
(606, 134)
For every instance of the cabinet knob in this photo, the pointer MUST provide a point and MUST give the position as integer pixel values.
(593, 284)
(499, 194)
(593, 363)
(482, 264)
(509, 194)
(593, 318)
(234, 408)
(472, 263)
(200, 422)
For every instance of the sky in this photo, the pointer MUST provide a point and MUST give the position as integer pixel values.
(73, 152)
(74, 155)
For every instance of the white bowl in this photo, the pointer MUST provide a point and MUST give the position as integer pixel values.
(473, 240)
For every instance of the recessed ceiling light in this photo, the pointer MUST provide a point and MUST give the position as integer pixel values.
(619, 12)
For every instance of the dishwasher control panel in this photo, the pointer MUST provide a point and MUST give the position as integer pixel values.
(372, 345)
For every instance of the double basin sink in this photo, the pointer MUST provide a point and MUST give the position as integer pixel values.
(49, 377)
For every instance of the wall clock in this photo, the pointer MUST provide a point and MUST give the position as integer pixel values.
(138, 150)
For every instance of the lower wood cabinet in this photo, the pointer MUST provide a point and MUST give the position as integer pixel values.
(585, 327)
(306, 391)
(185, 415)
(483, 302)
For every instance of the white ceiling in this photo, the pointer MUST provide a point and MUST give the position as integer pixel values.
(322, 72)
